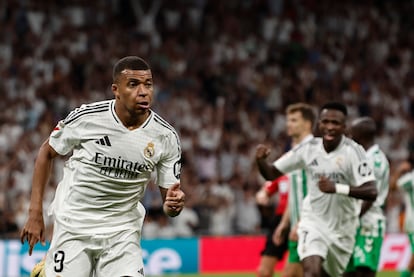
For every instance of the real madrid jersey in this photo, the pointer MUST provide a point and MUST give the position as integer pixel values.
(107, 174)
(381, 167)
(406, 183)
(347, 164)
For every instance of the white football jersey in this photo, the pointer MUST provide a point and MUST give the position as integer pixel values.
(106, 176)
(406, 183)
(347, 164)
(381, 167)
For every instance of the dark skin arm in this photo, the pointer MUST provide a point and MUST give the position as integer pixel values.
(367, 191)
(366, 205)
(268, 171)
(34, 229)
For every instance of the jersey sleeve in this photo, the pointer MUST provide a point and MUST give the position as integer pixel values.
(406, 181)
(361, 168)
(169, 167)
(290, 161)
(64, 137)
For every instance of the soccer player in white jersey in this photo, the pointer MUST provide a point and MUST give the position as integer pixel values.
(115, 145)
(339, 173)
(300, 118)
(403, 179)
(370, 234)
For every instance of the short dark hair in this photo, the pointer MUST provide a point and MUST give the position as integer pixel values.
(335, 106)
(365, 126)
(129, 62)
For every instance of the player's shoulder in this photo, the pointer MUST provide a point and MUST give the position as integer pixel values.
(351, 144)
(160, 124)
(313, 142)
(354, 148)
(88, 110)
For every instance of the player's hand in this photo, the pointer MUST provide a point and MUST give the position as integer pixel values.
(326, 185)
(293, 235)
(404, 167)
(262, 151)
(262, 198)
(174, 200)
(279, 234)
(34, 230)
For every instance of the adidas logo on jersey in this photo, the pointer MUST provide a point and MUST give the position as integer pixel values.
(314, 163)
(104, 141)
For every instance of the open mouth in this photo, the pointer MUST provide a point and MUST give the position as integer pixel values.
(143, 105)
(329, 136)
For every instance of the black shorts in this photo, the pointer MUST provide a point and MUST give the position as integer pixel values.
(272, 249)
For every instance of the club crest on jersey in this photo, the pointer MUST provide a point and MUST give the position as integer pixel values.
(149, 150)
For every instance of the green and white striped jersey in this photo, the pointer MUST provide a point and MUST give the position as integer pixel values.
(375, 215)
(297, 189)
(406, 183)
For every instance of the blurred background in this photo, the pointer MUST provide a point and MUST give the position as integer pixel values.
(224, 73)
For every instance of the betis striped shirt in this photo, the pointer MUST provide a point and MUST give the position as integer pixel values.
(297, 189)
(406, 183)
(373, 220)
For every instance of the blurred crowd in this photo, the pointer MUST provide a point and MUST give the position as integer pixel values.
(224, 73)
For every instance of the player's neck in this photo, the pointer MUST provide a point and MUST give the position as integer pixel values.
(132, 121)
(367, 145)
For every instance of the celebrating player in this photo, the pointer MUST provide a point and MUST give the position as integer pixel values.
(370, 234)
(116, 145)
(300, 118)
(339, 173)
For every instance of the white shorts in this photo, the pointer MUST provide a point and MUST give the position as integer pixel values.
(114, 254)
(334, 249)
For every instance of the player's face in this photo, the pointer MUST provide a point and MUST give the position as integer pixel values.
(134, 90)
(332, 127)
(295, 124)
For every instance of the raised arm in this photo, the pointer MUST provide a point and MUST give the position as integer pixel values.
(33, 231)
(268, 171)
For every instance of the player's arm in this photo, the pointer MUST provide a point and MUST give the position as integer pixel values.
(366, 205)
(173, 200)
(401, 169)
(366, 191)
(268, 171)
(266, 191)
(33, 231)
(282, 228)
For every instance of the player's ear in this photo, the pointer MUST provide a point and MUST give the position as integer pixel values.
(114, 89)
